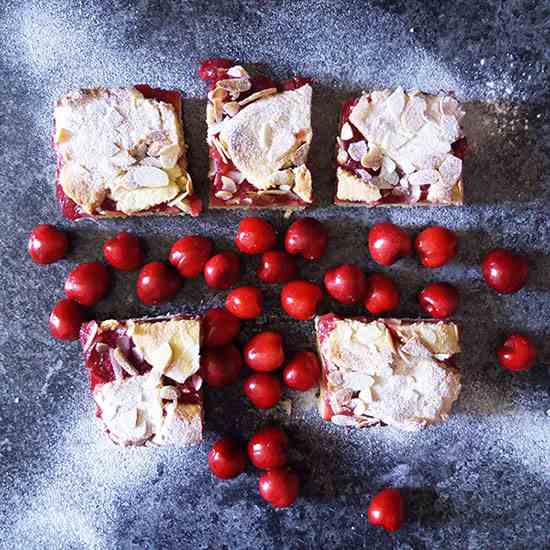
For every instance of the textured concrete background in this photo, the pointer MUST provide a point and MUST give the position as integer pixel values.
(480, 481)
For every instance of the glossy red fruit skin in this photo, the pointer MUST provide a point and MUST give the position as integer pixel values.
(382, 294)
(307, 237)
(517, 353)
(505, 271)
(223, 270)
(265, 351)
(280, 487)
(221, 366)
(255, 236)
(435, 246)
(388, 243)
(439, 300)
(65, 320)
(245, 302)
(124, 252)
(87, 283)
(226, 458)
(300, 299)
(346, 284)
(387, 509)
(208, 69)
(47, 244)
(263, 389)
(157, 283)
(219, 327)
(276, 266)
(303, 371)
(190, 254)
(267, 448)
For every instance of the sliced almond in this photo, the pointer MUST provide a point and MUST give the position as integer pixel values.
(234, 85)
(149, 176)
(347, 131)
(257, 95)
(169, 155)
(231, 108)
(300, 155)
(121, 359)
(161, 357)
(237, 72)
(425, 177)
(228, 184)
(414, 115)
(373, 158)
(302, 183)
(357, 149)
(219, 147)
(342, 156)
(223, 195)
(266, 136)
(282, 177)
(217, 94)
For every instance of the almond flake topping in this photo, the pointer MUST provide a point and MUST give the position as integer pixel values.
(346, 132)
(358, 149)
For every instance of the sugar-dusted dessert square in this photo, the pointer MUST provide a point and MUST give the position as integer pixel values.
(145, 380)
(121, 152)
(387, 371)
(399, 148)
(259, 134)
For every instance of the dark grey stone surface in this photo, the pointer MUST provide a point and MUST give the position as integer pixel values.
(481, 481)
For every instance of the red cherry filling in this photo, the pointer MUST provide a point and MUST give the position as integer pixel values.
(213, 68)
(219, 327)
(157, 283)
(190, 254)
(245, 302)
(387, 509)
(346, 284)
(439, 300)
(267, 448)
(265, 351)
(47, 244)
(223, 270)
(308, 238)
(388, 243)
(255, 236)
(279, 487)
(221, 366)
(263, 390)
(65, 320)
(517, 353)
(505, 271)
(226, 458)
(303, 371)
(381, 295)
(276, 266)
(435, 246)
(300, 299)
(124, 252)
(87, 283)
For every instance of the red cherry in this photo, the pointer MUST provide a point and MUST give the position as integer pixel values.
(307, 237)
(221, 366)
(439, 300)
(219, 327)
(505, 271)
(226, 458)
(300, 299)
(303, 371)
(65, 320)
(276, 266)
(346, 283)
(279, 487)
(123, 252)
(255, 236)
(157, 283)
(209, 68)
(517, 353)
(263, 390)
(267, 448)
(388, 243)
(47, 244)
(265, 352)
(435, 246)
(87, 283)
(222, 270)
(189, 255)
(245, 302)
(387, 509)
(382, 294)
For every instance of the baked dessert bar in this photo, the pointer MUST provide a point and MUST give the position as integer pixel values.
(398, 148)
(258, 138)
(144, 377)
(121, 152)
(387, 371)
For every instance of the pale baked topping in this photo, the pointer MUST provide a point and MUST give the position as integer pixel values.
(116, 143)
(352, 188)
(402, 383)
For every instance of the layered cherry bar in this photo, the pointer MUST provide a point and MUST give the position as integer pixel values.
(145, 380)
(121, 152)
(387, 371)
(398, 148)
(258, 137)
